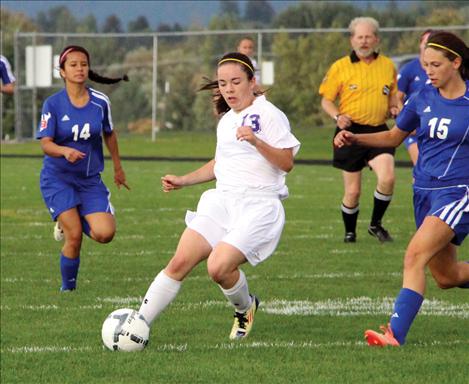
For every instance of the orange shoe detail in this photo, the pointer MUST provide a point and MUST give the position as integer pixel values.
(376, 339)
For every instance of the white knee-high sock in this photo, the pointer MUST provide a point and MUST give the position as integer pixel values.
(162, 291)
(238, 295)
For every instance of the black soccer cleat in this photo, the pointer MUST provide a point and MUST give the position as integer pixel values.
(380, 233)
(350, 237)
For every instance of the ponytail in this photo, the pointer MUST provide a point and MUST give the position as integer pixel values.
(97, 78)
(93, 76)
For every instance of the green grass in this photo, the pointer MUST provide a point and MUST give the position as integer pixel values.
(317, 294)
(316, 144)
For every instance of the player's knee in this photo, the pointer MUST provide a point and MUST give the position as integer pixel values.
(103, 236)
(73, 240)
(445, 279)
(352, 195)
(216, 271)
(411, 259)
(444, 283)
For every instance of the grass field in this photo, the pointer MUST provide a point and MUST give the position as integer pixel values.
(317, 294)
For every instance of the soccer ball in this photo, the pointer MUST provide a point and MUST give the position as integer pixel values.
(125, 330)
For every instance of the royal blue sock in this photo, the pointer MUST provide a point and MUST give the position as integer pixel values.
(85, 227)
(406, 307)
(69, 270)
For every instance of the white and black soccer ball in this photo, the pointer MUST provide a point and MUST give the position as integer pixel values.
(125, 330)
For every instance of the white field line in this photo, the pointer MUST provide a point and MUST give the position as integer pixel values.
(293, 276)
(343, 307)
(310, 344)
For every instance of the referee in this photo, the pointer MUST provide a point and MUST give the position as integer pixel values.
(365, 83)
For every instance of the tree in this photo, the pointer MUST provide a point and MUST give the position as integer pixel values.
(140, 24)
(57, 19)
(88, 24)
(229, 8)
(259, 11)
(112, 24)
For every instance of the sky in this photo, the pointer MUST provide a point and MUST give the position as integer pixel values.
(185, 13)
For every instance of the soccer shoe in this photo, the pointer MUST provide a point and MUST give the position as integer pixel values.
(376, 339)
(58, 232)
(380, 233)
(350, 237)
(62, 289)
(243, 321)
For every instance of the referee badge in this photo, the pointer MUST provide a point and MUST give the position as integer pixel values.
(386, 90)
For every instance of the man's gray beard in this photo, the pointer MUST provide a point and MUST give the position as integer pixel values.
(366, 53)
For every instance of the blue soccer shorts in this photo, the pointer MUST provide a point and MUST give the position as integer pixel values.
(63, 191)
(449, 204)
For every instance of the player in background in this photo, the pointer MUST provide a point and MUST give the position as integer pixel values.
(440, 114)
(242, 219)
(73, 123)
(411, 78)
(246, 47)
(8, 79)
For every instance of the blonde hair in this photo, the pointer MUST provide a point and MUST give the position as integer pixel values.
(365, 20)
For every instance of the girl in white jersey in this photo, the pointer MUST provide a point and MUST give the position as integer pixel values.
(441, 189)
(241, 220)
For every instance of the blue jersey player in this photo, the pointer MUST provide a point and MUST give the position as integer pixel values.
(440, 114)
(73, 123)
(8, 79)
(410, 79)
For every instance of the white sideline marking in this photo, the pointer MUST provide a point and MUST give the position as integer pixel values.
(294, 276)
(346, 307)
(359, 306)
(310, 344)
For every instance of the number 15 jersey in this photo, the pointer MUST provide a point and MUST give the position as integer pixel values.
(79, 128)
(442, 137)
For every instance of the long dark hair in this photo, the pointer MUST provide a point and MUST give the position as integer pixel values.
(246, 66)
(93, 76)
(451, 46)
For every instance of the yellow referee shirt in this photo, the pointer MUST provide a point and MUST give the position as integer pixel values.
(364, 89)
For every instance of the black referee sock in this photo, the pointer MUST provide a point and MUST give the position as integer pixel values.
(381, 203)
(350, 216)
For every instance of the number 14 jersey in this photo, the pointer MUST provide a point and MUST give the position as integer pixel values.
(77, 127)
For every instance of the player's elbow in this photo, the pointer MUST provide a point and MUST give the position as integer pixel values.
(288, 165)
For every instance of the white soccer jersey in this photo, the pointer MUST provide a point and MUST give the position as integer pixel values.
(238, 164)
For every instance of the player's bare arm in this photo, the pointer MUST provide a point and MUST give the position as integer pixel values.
(280, 157)
(391, 138)
(52, 149)
(201, 175)
(113, 148)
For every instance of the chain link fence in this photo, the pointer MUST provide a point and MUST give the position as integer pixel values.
(167, 68)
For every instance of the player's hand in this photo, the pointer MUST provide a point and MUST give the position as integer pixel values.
(73, 155)
(171, 182)
(394, 111)
(344, 138)
(245, 133)
(119, 178)
(344, 121)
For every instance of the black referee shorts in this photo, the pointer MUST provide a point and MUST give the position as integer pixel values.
(354, 158)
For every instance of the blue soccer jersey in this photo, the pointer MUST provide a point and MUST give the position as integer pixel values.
(411, 78)
(79, 128)
(5, 71)
(442, 134)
